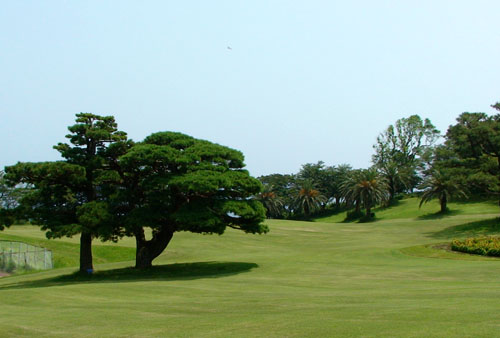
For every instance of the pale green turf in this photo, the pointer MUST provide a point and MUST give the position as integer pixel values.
(303, 279)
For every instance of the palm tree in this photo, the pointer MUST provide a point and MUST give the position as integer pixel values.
(308, 199)
(441, 186)
(399, 178)
(271, 201)
(365, 188)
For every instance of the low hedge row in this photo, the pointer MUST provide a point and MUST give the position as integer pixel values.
(486, 246)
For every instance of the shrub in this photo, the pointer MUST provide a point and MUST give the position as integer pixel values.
(486, 245)
(353, 215)
(367, 218)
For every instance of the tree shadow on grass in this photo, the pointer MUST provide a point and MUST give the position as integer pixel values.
(439, 215)
(178, 271)
(472, 229)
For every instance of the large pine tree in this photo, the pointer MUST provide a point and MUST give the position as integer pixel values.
(69, 197)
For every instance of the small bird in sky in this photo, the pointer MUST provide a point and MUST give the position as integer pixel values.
(229, 48)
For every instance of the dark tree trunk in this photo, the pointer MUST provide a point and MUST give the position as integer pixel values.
(337, 201)
(358, 206)
(148, 250)
(86, 253)
(392, 190)
(443, 202)
(86, 265)
(368, 212)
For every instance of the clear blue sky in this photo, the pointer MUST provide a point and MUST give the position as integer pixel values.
(304, 80)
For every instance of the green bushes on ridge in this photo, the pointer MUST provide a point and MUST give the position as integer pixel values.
(486, 245)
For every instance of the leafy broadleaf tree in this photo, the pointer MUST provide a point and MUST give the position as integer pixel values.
(172, 182)
(399, 151)
(70, 197)
(365, 188)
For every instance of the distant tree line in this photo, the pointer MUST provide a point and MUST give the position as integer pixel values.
(408, 159)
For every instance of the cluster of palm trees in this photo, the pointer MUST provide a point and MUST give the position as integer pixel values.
(306, 201)
(406, 160)
(360, 189)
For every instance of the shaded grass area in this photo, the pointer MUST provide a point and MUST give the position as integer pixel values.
(177, 271)
(440, 215)
(470, 229)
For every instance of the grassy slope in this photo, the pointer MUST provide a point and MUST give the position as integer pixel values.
(409, 208)
(66, 251)
(301, 279)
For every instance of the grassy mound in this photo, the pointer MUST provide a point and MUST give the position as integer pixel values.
(485, 246)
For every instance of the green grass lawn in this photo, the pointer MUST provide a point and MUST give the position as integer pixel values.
(409, 208)
(303, 279)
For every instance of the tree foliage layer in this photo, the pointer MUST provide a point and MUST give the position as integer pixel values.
(108, 187)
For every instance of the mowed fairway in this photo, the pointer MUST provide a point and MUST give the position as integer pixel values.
(303, 279)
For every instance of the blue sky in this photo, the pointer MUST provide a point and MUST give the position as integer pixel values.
(303, 81)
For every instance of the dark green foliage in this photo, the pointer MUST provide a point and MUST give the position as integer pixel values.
(354, 215)
(53, 201)
(69, 197)
(486, 245)
(365, 188)
(340, 174)
(271, 201)
(321, 177)
(475, 144)
(441, 185)
(10, 196)
(284, 196)
(177, 179)
(367, 218)
(173, 182)
(327, 180)
(283, 188)
(308, 199)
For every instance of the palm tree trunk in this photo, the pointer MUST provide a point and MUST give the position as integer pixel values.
(368, 212)
(443, 202)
